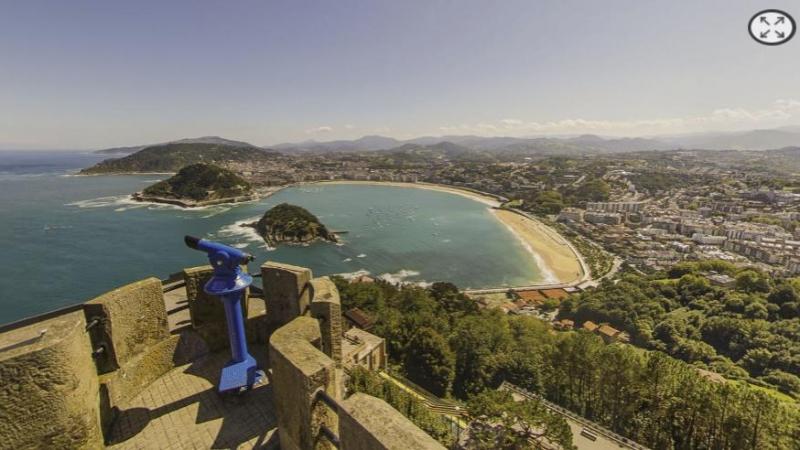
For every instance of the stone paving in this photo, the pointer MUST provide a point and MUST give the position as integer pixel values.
(182, 410)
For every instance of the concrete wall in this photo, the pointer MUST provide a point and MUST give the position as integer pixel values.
(49, 392)
(133, 319)
(369, 423)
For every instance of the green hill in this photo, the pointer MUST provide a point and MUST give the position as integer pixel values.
(199, 183)
(290, 223)
(171, 157)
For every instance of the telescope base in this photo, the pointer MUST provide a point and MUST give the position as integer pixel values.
(237, 376)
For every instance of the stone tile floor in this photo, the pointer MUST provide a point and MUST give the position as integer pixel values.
(182, 410)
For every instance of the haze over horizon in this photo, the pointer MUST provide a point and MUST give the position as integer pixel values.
(90, 74)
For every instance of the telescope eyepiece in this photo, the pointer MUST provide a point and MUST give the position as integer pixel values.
(191, 241)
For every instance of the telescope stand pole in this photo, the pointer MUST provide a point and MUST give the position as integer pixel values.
(233, 313)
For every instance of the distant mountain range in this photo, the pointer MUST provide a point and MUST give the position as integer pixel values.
(588, 143)
(744, 140)
(171, 156)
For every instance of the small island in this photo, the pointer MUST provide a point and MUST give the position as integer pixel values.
(199, 185)
(292, 224)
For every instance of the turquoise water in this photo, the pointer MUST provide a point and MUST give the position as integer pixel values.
(66, 238)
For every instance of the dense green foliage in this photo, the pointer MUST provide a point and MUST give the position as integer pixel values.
(201, 182)
(499, 422)
(648, 396)
(547, 202)
(287, 222)
(173, 156)
(749, 331)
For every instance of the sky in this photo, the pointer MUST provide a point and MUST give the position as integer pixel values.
(95, 74)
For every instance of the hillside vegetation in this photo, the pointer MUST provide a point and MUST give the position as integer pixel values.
(172, 157)
(291, 223)
(201, 182)
(750, 331)
(444, 343)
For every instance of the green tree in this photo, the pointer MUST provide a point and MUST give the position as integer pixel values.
(783, 293)
(785, 382)
(752, 281)
(431, 362)
(548, 202)
(499, 422)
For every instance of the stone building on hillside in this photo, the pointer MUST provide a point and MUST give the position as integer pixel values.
(363, 349)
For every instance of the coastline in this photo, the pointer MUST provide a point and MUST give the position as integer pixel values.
(139, 197)
(485, 199)
(257, 195)
(558, 261)
(549, 249)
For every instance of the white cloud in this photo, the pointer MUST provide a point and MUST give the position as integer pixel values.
(779, 112)
(320, 130)
(382, 130)
(349, 126)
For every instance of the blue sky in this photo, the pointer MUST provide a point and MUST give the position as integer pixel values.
(92, 74)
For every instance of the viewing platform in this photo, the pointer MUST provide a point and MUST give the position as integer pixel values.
(138, 367)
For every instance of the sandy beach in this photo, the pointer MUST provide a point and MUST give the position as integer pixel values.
(549, 248)
(551, 251)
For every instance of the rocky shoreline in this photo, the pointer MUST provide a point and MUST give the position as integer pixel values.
(185, 203)
(272, 242)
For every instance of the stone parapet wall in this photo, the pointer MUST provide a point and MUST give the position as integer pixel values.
(326, 307)
(207, 312)
(132, 319)
(305, 360)
(203, 308)
(369, 423)
(299, 371)
(285, 291)
(64, 378)
(127, 382)
(49, 393)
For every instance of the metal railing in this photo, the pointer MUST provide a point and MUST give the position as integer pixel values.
(331, 403)
(586, 423)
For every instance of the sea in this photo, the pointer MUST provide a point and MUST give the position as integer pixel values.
(66, 238)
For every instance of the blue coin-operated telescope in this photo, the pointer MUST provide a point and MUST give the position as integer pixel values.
(228, 283)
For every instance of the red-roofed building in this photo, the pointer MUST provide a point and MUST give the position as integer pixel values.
(359, 318)
(564, 325)
(362, 279)
(531, 296)
(555, 293)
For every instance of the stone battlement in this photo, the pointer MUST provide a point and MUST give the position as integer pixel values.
(68, 378)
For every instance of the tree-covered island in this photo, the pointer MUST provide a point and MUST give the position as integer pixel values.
(199, 185)
(287, 223)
